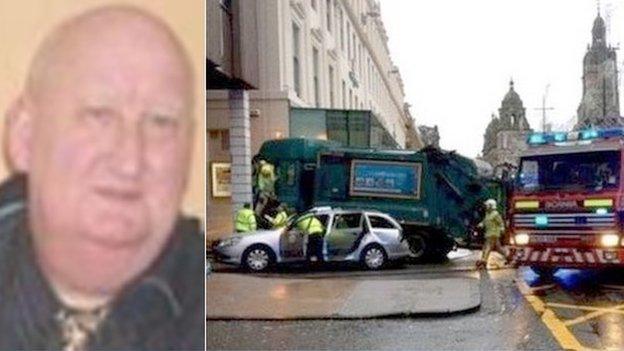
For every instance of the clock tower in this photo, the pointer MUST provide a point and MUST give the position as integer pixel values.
(600, 106)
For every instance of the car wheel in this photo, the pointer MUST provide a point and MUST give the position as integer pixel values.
(544, 272)
(417, 245)
(258, 258)
(374, 257)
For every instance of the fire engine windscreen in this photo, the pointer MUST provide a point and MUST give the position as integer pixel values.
(589, 171)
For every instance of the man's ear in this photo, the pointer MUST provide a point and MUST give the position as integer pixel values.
(18, 136)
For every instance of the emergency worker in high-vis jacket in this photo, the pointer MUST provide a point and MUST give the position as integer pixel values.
(313, 227)
(266, 178)
(494, 226)
(245, 221)
(265, 186)
(281, 218)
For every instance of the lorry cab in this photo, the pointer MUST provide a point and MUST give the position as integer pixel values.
(567, 205)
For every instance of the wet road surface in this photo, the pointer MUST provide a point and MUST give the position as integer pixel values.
(584, 309)
(519, 311)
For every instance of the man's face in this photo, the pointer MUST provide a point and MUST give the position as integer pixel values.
(109, 158)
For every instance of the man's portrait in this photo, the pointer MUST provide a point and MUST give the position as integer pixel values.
(101, 237)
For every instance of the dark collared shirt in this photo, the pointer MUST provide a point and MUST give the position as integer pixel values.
(12, 195)
(164, 310)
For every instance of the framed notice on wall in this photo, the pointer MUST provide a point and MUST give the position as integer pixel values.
(385, 179)
(221, 180)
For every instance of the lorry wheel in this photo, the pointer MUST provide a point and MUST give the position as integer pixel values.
(373, 257)
(417, 245)
(258, 258)
(544, 272)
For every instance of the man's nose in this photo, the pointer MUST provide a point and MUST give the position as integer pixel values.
(128, 151)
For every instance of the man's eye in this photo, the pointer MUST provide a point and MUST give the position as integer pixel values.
(162, 121)
(103, 116)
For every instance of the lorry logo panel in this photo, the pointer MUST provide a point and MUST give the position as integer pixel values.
(561, 205)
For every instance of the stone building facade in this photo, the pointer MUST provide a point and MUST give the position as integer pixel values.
(600, 105)
(505, 135)
(325, 54)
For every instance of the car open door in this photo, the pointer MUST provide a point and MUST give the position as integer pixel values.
(292, 244)
(344, 235)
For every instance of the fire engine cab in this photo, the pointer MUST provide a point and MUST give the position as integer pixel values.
(566, 209)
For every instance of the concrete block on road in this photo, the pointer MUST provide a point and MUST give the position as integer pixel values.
(424, 296)
(240, 296)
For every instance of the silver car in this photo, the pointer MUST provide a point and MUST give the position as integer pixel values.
(369, 237)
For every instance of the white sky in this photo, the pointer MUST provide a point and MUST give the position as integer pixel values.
(456, 58)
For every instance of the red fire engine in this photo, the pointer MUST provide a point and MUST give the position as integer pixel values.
(567, 206)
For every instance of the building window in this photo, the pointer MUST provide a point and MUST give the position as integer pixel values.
(296, 61)
(350, 98)
(348, 40)
(354, 55)
(368, 73)
(358, 60)
(223, 137)
(341, 26)
(361, 60)
(328, 15)
(344, 94)
(315, 70)
(331, 87)
(225, 140)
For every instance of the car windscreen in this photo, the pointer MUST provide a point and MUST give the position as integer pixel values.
(589, 171)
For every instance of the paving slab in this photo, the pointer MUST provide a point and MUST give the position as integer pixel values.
(241, 296)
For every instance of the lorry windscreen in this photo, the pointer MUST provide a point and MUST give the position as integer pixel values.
(588, 171)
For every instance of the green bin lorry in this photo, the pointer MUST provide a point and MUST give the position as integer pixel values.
(436, 195)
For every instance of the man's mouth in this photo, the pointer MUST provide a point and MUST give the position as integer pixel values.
(119, 193)
(118, 212)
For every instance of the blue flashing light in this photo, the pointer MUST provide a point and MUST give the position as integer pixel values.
(561, 137)
(586, 136)
(602, 211)
(589, 134)
(537, 139)
(541, 221)
(612, 132)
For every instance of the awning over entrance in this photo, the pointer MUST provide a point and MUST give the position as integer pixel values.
(216, 79)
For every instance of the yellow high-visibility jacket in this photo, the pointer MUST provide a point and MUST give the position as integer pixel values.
(245, 221)
(280, 220)
(310, 225)
(266, 179)
(493, 223)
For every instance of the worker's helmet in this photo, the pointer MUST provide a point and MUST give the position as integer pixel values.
(262, 162)
(490, 203)
(265, 171)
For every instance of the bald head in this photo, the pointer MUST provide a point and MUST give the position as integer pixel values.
(109, 31)
(104, 129)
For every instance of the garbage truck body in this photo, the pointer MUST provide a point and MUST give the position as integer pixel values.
(435, 195)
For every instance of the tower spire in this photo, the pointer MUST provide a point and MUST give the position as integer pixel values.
(598, 7)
